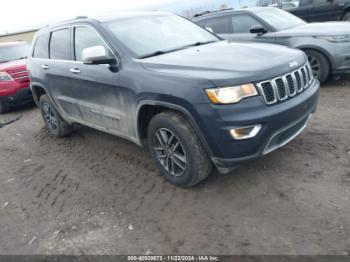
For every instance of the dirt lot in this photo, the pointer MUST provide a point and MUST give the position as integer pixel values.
(93, 193)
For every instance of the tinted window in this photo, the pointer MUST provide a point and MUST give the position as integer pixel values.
(243, 23)
(60, 45)
(41, 49)
(218, 25)
(85, 37)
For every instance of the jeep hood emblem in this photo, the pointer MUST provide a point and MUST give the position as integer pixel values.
(293, 64)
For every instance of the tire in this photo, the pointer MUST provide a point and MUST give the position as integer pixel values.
(53, 121)
(183, 153)
(3, 108)
(319, 64)
(346, 17)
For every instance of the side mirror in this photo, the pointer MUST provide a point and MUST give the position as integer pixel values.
(96, 55)
(209, 29)
(258, 29)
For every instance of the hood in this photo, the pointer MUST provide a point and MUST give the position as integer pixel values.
(13, 65)
(227, 62)
(317, 29)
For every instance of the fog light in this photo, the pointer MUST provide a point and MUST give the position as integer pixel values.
(245, 132)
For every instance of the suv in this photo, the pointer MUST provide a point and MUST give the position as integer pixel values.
(327, 45)
(319, 10)
(14, 80)
(163, 82)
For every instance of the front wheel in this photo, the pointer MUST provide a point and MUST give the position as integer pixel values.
(53, 121)
(3, 108)
(319, 64)
(177, 150)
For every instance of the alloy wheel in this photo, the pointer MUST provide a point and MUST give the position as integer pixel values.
(170, 152)
(315, 66)
(50, 116)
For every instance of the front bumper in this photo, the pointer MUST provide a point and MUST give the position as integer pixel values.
(281, 123)
(21, 97)
(340, 57)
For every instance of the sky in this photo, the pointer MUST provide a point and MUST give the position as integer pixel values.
(21, 15)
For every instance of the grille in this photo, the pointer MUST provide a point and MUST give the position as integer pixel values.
(286, 86)
(19, 75)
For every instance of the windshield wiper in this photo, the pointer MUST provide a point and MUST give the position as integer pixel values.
(23, 57)
(5, 61)
(160, 53)
(176, 49)
(200, 43)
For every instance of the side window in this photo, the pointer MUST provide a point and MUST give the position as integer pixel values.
(320, 2)
(41, 48)
(85, 37)
(60, 45)
(218, 25)
(241, 24)
(202, 23)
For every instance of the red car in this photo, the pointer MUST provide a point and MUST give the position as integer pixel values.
(14, 78)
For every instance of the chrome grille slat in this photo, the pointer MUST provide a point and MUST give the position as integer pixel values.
(295, 86)
(286, 86)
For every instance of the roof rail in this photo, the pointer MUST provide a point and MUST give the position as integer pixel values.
(81, 17)
(210, 12)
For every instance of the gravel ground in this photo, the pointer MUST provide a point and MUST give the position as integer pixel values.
(92, 193)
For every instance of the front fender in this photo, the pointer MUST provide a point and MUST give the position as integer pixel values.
(185, 109)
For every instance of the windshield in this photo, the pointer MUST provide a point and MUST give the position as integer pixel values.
(279, 19)
(154, 35)
(13, 52)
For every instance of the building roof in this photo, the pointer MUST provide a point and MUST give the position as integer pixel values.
(19, 32)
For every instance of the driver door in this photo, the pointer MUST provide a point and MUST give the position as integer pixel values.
(241, 24)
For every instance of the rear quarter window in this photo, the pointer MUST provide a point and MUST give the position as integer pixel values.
(60, 44)
(41, 47)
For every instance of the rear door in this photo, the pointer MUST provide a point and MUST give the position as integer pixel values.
(97, 86)
(57, 71)
(303, 10)
(324, 10)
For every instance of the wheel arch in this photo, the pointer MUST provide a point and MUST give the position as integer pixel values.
(320, 50)
(37, 91)
(148, 109)
(345, 11)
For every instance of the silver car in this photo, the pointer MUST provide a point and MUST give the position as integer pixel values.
(326, 44)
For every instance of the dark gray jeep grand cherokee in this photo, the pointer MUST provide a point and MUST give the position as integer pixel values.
(161, 81)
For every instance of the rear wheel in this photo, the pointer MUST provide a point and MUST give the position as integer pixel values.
(3, 108)
(346, 17)
(54, 123)
(319, 64)
(177, 151)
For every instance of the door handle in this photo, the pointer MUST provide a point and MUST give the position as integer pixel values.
(74, 70)
(45, 67)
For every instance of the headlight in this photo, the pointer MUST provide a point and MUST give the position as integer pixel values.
(5, 77)
(232, 94)
(336, 38)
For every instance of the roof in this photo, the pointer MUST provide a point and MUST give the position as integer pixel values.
(102, 19)
(229, 11)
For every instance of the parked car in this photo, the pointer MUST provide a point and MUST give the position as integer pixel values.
(327, 45)
(14, 80)
(163, 82)
(319, 10)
